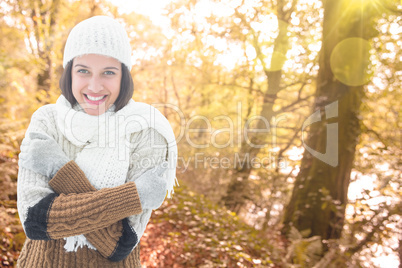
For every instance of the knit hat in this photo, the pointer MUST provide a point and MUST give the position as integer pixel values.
(98, 35)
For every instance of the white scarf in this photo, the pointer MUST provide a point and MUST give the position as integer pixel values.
(105, 140)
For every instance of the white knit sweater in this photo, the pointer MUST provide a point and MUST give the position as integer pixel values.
(33, 187)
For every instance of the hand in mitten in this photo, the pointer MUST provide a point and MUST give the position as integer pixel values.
(151, 187)
(41, 154)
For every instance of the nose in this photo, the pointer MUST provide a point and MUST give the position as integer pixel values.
(95, 84)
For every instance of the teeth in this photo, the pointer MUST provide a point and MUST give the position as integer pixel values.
(95, 98)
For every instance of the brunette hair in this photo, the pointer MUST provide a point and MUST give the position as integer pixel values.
(126, 86)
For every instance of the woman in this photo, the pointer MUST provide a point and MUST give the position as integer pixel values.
(94, 165)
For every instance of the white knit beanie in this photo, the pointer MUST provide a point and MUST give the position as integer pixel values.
(98, 35)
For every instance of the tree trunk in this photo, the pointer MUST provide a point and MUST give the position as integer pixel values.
(238, 190)
(319, 196)
(39, 20)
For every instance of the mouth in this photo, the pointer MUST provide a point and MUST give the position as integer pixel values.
(95, 100)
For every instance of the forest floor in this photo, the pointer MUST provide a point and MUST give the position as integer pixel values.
(187, 231)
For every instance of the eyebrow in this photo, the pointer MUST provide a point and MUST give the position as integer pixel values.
(114, 68)
(106, 68)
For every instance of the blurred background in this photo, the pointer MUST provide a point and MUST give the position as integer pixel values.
(286, 112)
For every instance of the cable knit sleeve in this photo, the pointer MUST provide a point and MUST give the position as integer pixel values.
(33, 187)
(149, 151)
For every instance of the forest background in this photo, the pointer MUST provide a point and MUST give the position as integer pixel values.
(286, 112)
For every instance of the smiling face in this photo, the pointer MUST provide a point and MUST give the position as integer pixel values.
(96, 82)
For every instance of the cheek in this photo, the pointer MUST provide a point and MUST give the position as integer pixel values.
(76, 84)
(74, 87)
(114, 87)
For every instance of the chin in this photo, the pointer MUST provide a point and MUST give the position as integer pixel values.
(95, 111)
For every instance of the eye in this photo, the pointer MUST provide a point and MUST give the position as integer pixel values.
(110, 73)
(83, 71)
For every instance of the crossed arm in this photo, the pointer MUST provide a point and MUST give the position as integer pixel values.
(116, 240)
